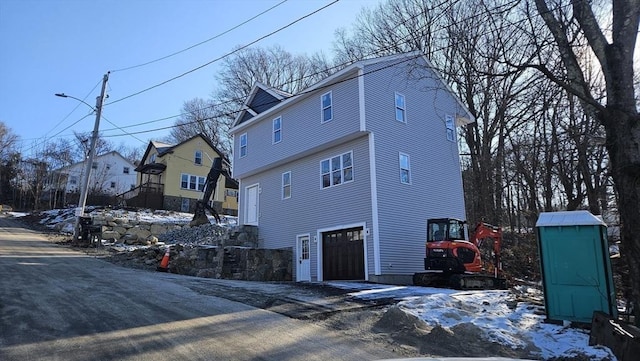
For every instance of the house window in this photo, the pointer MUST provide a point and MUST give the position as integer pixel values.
(133, 186)
(197, 159)
(405, 169)
(277, 130)
(94, 165)
(286, 185)
(108, 166)
(73, 180)
(192, 182)
(327, 107)
(336, 170)
(153, 158)
(451, 128)
(401, 111)
(125, 170)
(113, 184)
(243, 145)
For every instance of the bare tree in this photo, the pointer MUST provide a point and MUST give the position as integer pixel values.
(200, 116)
(575, 23)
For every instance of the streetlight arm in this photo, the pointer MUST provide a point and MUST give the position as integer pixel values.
(63, 95)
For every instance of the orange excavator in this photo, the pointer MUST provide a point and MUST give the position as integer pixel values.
(453, 260)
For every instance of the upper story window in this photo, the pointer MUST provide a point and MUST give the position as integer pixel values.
(401, 110)
(243, 145)
(405, 169)
(152, 159)
(337, 170)
(94, 165)
(73, 179)
(451, 128)
(327, 107)
(108, 166)
(277, 130)
(286, 185)
(113, 184)
(197, 157)
(125, 170)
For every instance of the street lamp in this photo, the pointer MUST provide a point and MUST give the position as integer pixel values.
(92, 152)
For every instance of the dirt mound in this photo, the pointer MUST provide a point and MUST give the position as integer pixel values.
(462, 340)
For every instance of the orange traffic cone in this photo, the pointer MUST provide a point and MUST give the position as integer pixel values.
(164, 264)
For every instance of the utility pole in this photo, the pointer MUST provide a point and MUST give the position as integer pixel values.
(92, 152)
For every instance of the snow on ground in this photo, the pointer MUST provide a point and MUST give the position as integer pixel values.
(504, 321)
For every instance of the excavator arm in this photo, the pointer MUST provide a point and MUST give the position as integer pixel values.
(200, 214)
(484, 231)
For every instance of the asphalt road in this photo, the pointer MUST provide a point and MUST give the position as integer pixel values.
(60, 304)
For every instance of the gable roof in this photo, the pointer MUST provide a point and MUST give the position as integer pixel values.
(334, 78)
(96, 158)
(165, 148)
(260, 99)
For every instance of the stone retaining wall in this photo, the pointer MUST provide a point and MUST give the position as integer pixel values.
(195, 251)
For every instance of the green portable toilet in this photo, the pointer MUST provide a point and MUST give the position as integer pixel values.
(575, 265)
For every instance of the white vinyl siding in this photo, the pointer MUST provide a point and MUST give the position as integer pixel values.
(401, 109)
(277, 130)
(336, 170)
(326, 103)
(286, 185)
(192, 182)
(405, 169)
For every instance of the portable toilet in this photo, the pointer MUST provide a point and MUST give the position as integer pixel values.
(575, 266)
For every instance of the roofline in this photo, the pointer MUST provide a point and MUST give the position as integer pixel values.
(358, 65)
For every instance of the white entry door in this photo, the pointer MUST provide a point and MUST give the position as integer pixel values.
(304, 259)
(251, 205)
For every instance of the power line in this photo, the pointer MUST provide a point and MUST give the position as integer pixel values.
(225, 55)
(380, 51)
(271, 102)
(202, 42)
(74, 109)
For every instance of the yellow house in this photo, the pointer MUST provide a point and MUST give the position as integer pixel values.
(172, 177)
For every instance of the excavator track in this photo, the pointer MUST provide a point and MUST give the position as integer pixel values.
(458, 281)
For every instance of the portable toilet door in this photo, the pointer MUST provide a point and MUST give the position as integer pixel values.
(575, 266)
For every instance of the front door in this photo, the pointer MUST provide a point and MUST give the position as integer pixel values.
(251, 203)
(304, 261)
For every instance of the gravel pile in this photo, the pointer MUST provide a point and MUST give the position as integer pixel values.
(206, 234)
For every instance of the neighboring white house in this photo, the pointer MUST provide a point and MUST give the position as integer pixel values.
(347, 172)
(111, 174)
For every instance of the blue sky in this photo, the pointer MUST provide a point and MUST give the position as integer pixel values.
(66, 46)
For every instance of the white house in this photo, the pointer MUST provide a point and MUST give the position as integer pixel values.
(111, 174)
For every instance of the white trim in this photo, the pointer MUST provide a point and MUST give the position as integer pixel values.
(246, 139)
(298, 255)
(403, 108)
(374, 205)
(363, 119)
(400, 154)
(334, 77)
(322, 120)
(273, 130)
(282, 197)
(342, 181)
(319, 232)
(246, 199)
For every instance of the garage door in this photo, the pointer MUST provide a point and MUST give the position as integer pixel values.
(343, 254)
